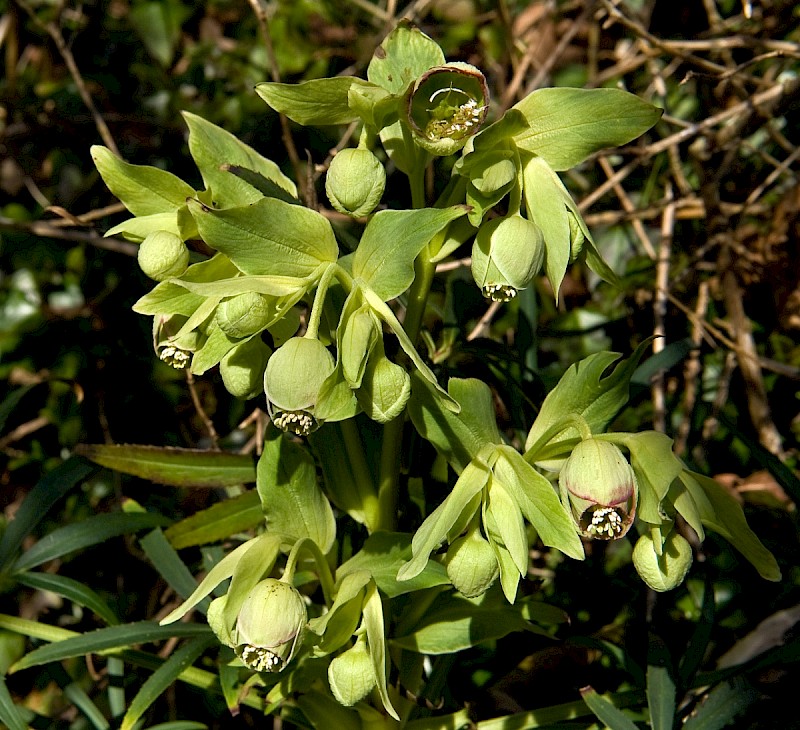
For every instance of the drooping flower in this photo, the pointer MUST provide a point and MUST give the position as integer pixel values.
(599, 486)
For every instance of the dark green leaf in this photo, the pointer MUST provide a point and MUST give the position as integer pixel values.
(174, 466)
(220, 521)
(91, 531)
(169, 565)
(606, 712)
(722, 705)
(70, 589)
(9, 713)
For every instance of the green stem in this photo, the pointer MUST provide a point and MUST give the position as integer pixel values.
(323, 569)
(362, 477)
(319, 300)
(424, 270)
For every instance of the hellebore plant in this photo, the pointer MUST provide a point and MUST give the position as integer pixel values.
(306, 319)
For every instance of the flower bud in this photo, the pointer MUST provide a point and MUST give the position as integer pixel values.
(506, 255)
(245, 314)
(162, 255)
(292, 381)
(270, 626)
(666, 571)
(355, 182)
(385, 390)
(446, 106)
(351, 675)
(601, 489)
(242, 368)
(471, 564)
(576, 237)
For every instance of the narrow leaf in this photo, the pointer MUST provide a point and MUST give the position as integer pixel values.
(376, 640)
(70, 589)
(218, 522)
(169, 564)
(9, 713)
(156, 684)
(606, 712)
(91, 531)
(40, 499)
(722, 705)
(110, 638)
(174, 466)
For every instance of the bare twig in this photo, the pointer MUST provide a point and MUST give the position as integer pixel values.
(50, 230)
(628, 207)
(58, 38)
(201, 412)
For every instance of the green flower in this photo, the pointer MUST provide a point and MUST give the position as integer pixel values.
(292, 381)
(446, 106)
(270, 626)
(507, 254)
(598, 485)
(162, 255)
(355, 182)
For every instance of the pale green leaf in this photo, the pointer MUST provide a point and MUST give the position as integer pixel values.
(142, 189)
(212, 147)
(291, 498)
(376, 640)
(392, 241)
(269, 237)
(567, 125)
(316, 102)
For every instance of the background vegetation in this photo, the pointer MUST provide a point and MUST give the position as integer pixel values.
(701, 218)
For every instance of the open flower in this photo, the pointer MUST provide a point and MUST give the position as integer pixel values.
(598, 485)
(270, 626)
(446, 106)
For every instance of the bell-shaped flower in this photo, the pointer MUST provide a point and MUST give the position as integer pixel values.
(662, 564)
(446, 106)
(270, 626)
(292, 381)
(471, 564)
(599, 486)
(355, 182)
(242, 368)
(245, 314)
(171, 344)
(507, 254)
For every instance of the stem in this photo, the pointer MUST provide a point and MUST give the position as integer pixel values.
(362, 477)
(424, 270)
(323, 569)
(319, 300)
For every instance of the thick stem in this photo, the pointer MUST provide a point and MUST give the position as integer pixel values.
(362, 477)
(323, 569)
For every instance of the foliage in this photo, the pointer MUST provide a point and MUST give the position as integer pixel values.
(406, 341)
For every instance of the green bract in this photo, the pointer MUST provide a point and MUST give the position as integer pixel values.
(242, 368)
(506, 255)
(355, 182)
(162, 255)
(270, 626)
(292, 381)
(600, 488)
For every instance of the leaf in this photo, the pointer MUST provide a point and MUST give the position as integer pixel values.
(721, 706)
(584, 391)
(40, 499)
(719, 511)
(158, 24)
(269, 237)
(661, 694)
(404, 55)
(291, 499)
(606, 712)
(70, 589)
(537, 500)
(567, 125)
(176, 467)
(111, 638)
(317, 102)
(218, 522)
(433, 531)
(158, 682)
(454, 623)
(10, 715)
(376, 640)
(221, 571)
(382, 555)
(91, 531)
(212, 147)
(143, 190)
(458, 437)
(391, 242)
(169, 564)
